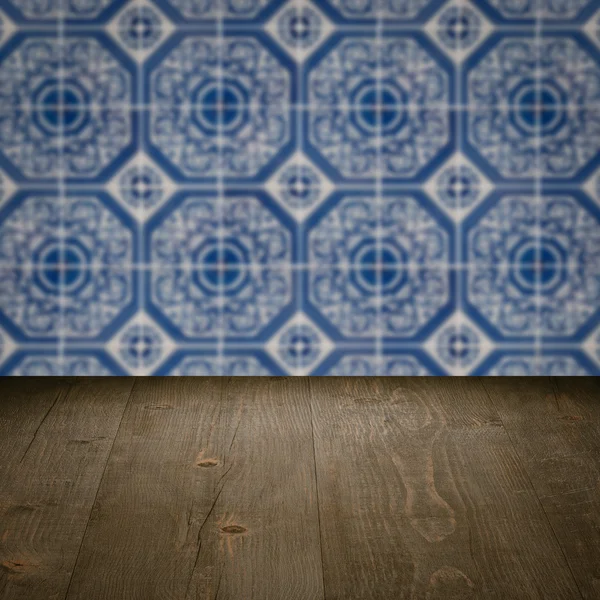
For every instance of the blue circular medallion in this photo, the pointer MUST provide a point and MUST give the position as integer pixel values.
(538, 265)
(62, 266)
(379, 268)
(538, 108)
(61, 108)
(220, 108)
(378, 108)
(221, 267)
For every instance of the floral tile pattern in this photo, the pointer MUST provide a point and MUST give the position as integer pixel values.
(299, 187)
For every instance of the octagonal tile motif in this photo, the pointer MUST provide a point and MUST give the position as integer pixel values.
(299, 187)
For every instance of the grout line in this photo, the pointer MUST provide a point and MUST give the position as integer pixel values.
(302, 107)
(367, 343)
(366, 185)
(458, 257)
(282, 267)
(299, 228)
(140, 222)
(538, 187)
(207, 26)
(379, 201)
(62, 190)
(220, 193)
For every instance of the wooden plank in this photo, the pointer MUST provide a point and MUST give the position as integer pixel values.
(555, 427)
(422, 495)
(24, 405)
(62, 433)
(209, 492)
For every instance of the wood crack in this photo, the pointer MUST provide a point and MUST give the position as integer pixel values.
(35, 433)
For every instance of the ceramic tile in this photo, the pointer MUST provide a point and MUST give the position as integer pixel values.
(327, 187)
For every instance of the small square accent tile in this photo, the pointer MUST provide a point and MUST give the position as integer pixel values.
(301, 187)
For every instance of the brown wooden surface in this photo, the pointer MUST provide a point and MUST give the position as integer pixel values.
(55, 439)
(322, 488)
(555, 427)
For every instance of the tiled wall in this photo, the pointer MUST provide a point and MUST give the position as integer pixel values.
(336, 187)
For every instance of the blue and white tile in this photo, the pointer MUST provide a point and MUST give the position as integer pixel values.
(77, 126)
(397, 12)
(7, 188)
(528, 11)
(7, 27)
(534, 266)
(501, 84)
(458, 345)
(518, 362)
(67, 265)
(591, 347)
(458, 187)
(7, 346)
(141, 187)
(71, 363)
(221, 267)
(378, 266)
(299, 27)
(299, 186)
(33, 12)
(256, 130)
(299, 346)
(209, 362)
(354, 142)
(140, 346)
(459, 28)
(570, 116)
(174, 201)
(239, 12)
(592, 28)
(35, 309)
(140, 27)
(592, 187)
(186, 301)
(367, 362)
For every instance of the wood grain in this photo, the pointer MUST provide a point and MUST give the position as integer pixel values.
(291, 488)
(56, 438)
(555, 426)
(209, 492)
(24, 405)
(422, 495)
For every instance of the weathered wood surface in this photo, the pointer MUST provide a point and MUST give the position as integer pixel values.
(422, 495)
(275, 488)
(555, 427)
(209, 492)
(55, 439)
